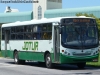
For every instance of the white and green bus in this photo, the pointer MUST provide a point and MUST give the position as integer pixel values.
(61, 40)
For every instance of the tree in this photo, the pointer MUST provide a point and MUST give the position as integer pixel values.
(91, 15)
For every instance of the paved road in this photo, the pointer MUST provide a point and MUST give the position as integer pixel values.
(7, 67)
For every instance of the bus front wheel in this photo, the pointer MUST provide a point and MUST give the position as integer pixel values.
(48, 61)
(81, 65)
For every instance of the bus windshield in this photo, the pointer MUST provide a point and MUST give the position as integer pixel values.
(79, 35)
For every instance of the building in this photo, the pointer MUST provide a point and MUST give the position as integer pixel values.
(45, 9)
(43, 5)
(8, 9)
(13, 15)
(95, 10)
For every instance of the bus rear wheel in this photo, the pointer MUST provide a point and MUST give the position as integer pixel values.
(81, 65)
(17, 60)
(48, 61)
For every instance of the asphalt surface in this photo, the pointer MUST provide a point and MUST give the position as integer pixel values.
(7, 67)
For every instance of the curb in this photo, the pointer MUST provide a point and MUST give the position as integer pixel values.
(1, 57)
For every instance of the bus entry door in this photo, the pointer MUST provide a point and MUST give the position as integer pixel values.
(56, 44)
(7, 35)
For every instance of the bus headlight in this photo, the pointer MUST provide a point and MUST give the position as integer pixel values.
(66, 53)
(94, 53)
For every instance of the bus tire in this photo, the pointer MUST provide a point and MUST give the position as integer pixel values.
(48, 61)
(81, 65)
(16, 59)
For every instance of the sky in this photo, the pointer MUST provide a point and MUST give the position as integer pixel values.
(65, 4)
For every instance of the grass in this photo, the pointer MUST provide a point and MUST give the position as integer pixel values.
(94, 63)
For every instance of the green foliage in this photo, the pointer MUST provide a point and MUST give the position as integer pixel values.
(94, 63)
(91, 15)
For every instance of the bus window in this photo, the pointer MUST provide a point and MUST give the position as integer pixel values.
(44, 28)
(91, 32)
(47, 35)
(34, 36)
(19, 29)
(34, 28)
(19, 36)
(13, 36)
(49, 27)
(39, 29)
(3, 36)
(13, 30)
(44, 35)
(28, 36)
(28, 28)
(69, 37)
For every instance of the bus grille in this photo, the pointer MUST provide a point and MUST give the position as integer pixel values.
(81, 54)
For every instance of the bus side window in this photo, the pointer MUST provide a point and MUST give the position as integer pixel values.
(39, 29)
(47, 35)
(13, 30)
(49, 27)
(34, 36)
(19, 36)
(44, 35)
(28, 36)
(3, 36)
(13, 36)
(47, 31)
(37, 33)
(35, 28)
(28, 28)
(19, 29)
(44, 28)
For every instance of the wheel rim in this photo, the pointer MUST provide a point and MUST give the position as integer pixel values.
(16, 60)
(48, 61)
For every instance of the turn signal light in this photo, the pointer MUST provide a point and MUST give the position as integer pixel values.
(62, 50)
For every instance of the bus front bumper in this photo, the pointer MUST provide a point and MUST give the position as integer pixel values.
(74, 59)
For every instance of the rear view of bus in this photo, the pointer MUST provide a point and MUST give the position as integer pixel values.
(79, 41)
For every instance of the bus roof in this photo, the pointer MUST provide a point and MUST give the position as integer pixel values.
(34, 21)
